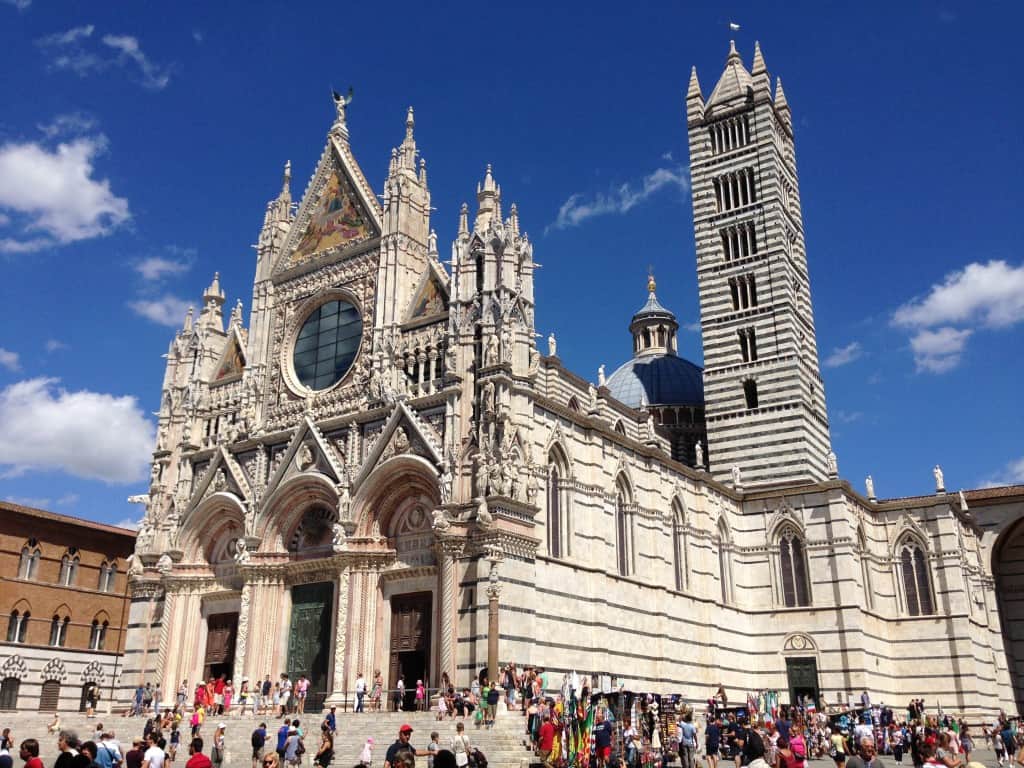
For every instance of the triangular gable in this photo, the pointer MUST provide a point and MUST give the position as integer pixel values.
(321, 458)
(415, 430)
(232, 361)
(431, 297)
(223, 475)
(337, 212)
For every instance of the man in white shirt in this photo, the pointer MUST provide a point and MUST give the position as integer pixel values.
(154, 756)
(360, 691)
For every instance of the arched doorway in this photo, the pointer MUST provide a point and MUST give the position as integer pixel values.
(9, 693)
(1008, 569)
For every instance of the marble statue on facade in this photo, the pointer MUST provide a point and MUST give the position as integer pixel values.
(552, 346)
(483, 515)
(698, 449)
(832, 464)
(491, 350)
(601, 380)
(337, 537)
(164, 565)
(444, 482)
(940, 483)
(869, 484)
(241, 551)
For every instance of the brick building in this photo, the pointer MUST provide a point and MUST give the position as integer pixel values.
(63, 607)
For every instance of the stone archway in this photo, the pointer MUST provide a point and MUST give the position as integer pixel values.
(1008, 569)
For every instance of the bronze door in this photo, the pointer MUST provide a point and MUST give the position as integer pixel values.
(410, 642)
(220, 644)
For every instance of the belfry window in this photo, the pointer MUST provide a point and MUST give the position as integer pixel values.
(750, 393)
(735, 190)
(917, 584)
(748, 344)
(730, 134)
(793, 569)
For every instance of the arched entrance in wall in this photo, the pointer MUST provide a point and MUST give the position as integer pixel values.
(396, 502)
(1008, 569)
(800, 654)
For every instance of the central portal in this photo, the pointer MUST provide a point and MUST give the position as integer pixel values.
(410, 642)
(221, 629)
(309, 640)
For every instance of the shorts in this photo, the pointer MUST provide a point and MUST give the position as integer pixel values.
(257, 753)
(603, 753)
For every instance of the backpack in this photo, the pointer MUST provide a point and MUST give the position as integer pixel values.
(477, 758)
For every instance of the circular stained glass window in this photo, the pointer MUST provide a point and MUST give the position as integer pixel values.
(327, 344)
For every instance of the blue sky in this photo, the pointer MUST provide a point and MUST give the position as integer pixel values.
(139, 143)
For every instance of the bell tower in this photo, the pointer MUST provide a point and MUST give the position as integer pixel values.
(763, 391)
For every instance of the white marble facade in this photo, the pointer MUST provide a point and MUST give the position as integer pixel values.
(440, 471)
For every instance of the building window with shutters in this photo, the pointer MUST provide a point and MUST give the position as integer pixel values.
(915, 577)
(793, 569)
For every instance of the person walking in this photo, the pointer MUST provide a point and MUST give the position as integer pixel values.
(687, 741)
(360, 691)
(259, 742)
(461, 746)
(713, 742)
(325, 752)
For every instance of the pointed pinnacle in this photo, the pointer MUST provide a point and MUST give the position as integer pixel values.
(733, 53)
(693, 92)
(780, 95)
(759, 65)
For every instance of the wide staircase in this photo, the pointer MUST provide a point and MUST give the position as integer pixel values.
(502, 744)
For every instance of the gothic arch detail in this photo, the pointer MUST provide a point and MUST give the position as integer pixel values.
(54, 670)
(14, 667)
(93, 673)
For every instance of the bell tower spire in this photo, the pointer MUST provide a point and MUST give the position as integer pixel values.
(761, 374)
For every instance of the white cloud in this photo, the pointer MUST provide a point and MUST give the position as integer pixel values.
(990, 294)
(9, 360)
(844, 355)
(53, 345)
(166, 310)
(131, 525)
(21, 5)
(622, 199)
(57, 194)
(154, 268)
(153, 76)
(939, 351)
(848, 417)
(69, 37)
(70, 124)
(197, 35)
(1011, 474)
(86, 434)
(46, 502)
(76, 51)
(693, 327)
(978, 296)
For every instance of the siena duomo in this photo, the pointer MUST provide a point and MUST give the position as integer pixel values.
(383, 470)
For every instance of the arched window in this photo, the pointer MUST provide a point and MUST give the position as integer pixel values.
(793, 569)
(59, 631)
(574, 404)
(623, 538)
(680, 556)
(69, 568)
(29, 563)
(620, 427)
(108, 575)
(98, 634)
(724, 562)
(554, 509)
(865, 570)
(17, 626)
(917, 583)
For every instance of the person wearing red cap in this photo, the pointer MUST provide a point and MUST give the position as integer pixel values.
(402, 746)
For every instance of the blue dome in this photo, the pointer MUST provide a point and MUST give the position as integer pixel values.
(657, 380)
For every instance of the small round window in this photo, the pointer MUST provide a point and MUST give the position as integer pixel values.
(327, 344)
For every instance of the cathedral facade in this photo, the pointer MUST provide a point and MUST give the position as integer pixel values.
(384, 471)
